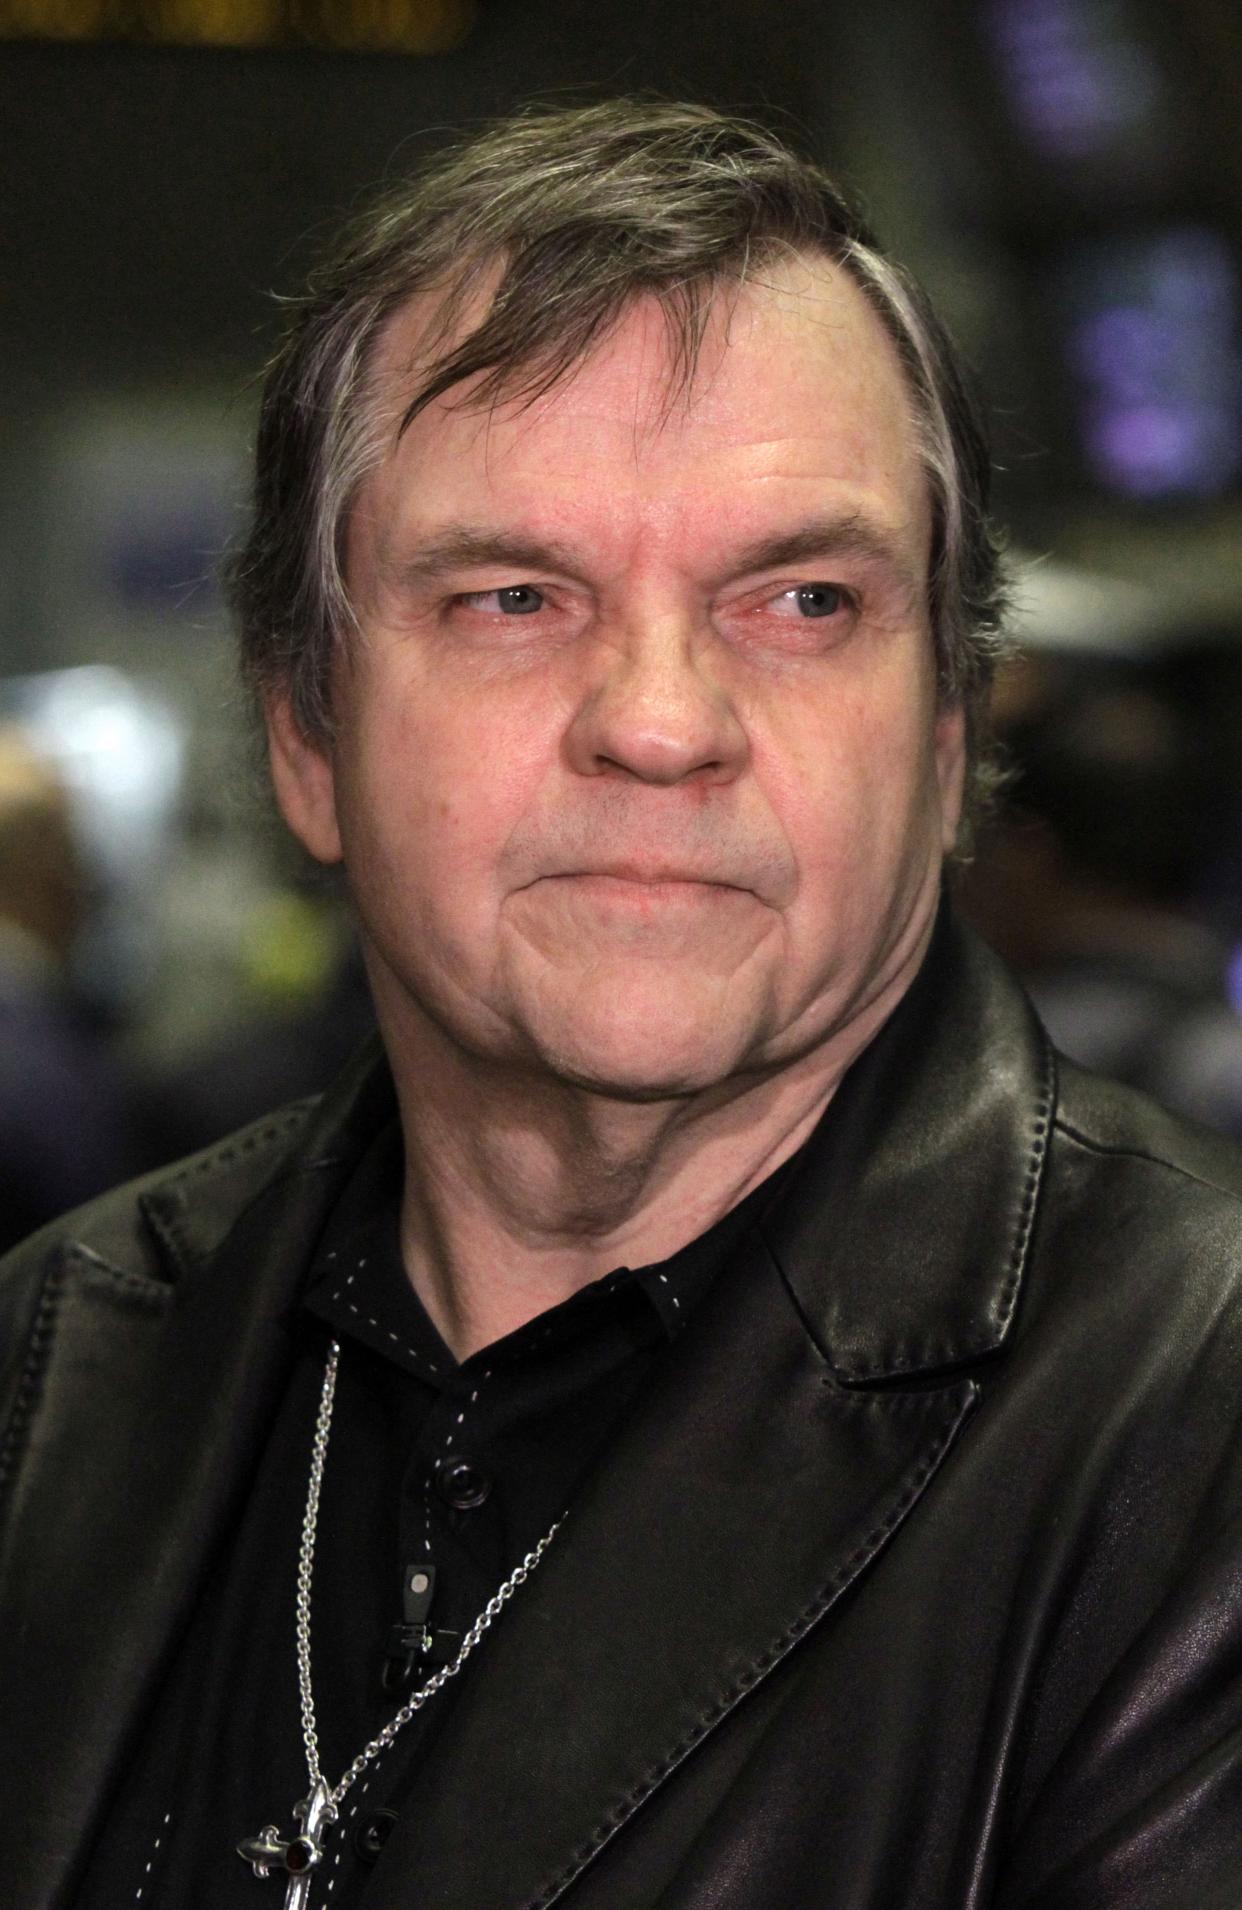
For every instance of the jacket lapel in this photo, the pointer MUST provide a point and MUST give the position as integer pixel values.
(151, 1394)
(748, 1494)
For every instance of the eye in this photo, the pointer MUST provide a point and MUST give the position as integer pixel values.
(816, 600)
(512, 600)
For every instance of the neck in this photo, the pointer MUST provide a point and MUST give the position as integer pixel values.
(508, 1215)
(521, 1188)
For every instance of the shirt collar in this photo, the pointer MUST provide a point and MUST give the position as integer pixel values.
(358, 1285)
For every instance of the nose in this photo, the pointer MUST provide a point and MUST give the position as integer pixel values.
(652, 711)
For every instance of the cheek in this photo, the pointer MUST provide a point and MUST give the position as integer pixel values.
(434, 784)
(842, 783)
(858, 800)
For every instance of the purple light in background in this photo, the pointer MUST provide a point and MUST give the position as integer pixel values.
(1079, 82)
(1123, 349)
(1151, 451)
(1154, 344)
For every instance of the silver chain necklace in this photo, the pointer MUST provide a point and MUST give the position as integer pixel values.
(298, 1856)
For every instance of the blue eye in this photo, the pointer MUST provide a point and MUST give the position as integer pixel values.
(519, 600)
(818, 600)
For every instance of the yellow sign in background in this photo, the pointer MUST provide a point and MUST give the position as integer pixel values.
(364, 26)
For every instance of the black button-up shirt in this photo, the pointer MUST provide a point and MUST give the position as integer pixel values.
(439, 1479)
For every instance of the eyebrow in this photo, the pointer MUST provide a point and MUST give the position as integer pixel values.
(459, 547)
(462, 546)
(851, 535)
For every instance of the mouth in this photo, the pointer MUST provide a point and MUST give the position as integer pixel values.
(645, 904)
(590, 915)
(647, 887)
(646, 876)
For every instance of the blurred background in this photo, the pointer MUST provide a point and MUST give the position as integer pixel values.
(1065, 175)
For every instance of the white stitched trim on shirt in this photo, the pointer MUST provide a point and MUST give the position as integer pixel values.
(146, 1875)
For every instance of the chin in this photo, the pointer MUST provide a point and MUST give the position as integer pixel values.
(659, 1061)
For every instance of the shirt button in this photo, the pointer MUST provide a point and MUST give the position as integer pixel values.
(373, 1833)
(462, 1484)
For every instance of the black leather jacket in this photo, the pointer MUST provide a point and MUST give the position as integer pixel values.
(915, 1585)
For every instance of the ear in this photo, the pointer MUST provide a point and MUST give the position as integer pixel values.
(304, 781)
(951, 770)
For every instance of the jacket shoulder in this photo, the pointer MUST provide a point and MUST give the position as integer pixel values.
(1139, 1237)
(1108, 1119)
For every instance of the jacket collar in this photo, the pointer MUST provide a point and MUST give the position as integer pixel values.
(192, 1229)
(895, 1272)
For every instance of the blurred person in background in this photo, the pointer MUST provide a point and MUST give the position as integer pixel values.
(65, 1119)
(301, 1007)
(711, 1411)
(1089, 881)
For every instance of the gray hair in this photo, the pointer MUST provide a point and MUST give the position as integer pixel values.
(579, 211)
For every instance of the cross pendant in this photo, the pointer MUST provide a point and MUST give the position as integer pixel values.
(296, 1856)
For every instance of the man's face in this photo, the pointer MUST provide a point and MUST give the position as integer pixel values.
(638, 772)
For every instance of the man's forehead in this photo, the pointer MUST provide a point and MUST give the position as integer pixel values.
(668, 370)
